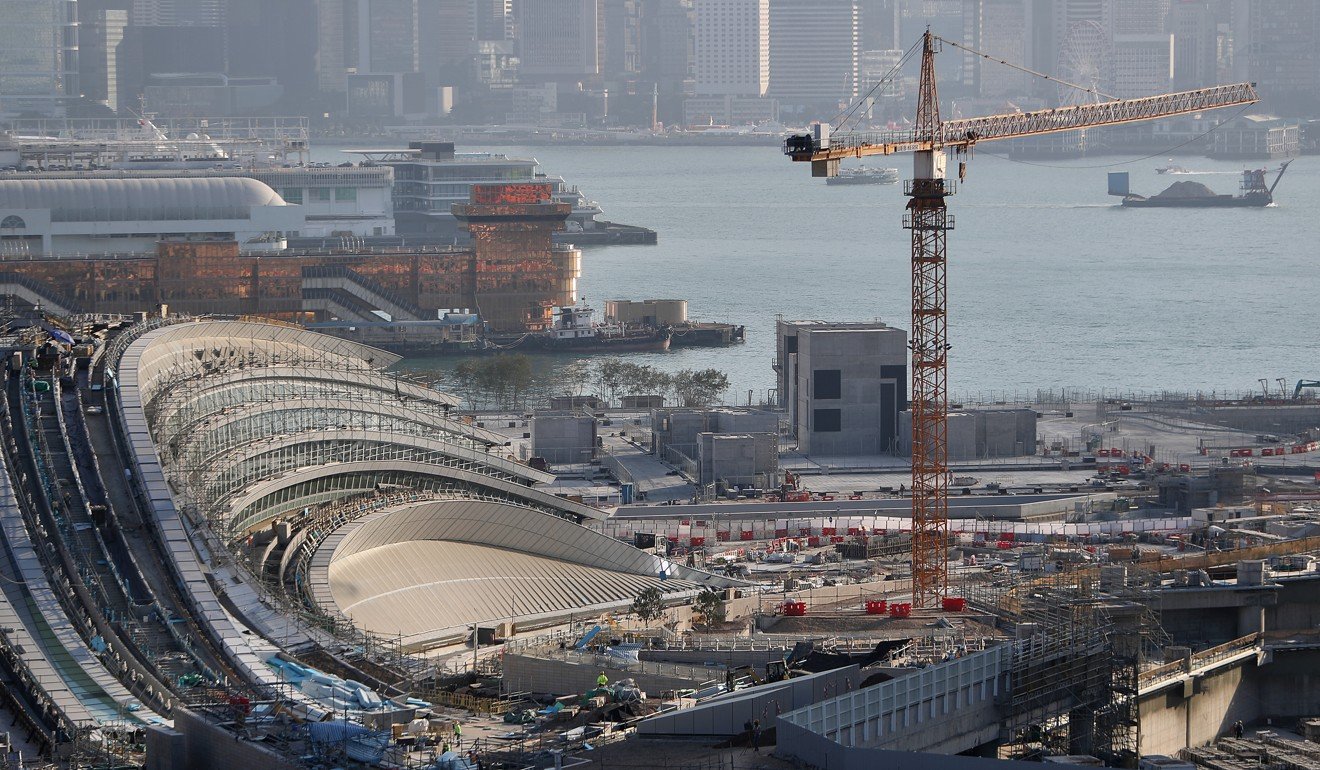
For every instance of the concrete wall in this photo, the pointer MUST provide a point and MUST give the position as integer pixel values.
(726, 714)
(197, 744)
(1289, 686)
(1195, 712)
(728, 658)
(564, 438)
(738, 459)
(542, 675)
(1264, 419)
(815, 751)
(679, 428)
(872, 366)
(982, 433)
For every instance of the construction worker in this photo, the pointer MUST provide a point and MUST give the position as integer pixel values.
(458, 735)
(602, 680)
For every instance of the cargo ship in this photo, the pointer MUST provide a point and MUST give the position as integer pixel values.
(1255, 192)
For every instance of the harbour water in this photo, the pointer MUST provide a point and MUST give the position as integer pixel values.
(1051, 283)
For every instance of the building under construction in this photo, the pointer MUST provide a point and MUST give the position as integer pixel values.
(511, 275)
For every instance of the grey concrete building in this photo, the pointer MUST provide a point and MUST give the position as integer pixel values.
(738, 459)
(674, 432)
(842, 384)
(564, 437)
(981, 434)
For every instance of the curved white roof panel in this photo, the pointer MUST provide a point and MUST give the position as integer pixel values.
(426, 571)
(127, 200)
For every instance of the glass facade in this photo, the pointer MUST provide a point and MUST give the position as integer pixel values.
(38, 56)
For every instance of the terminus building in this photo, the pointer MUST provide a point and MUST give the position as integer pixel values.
(214, 246)
(843, 385)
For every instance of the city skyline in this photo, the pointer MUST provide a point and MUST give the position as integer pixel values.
(626, 62)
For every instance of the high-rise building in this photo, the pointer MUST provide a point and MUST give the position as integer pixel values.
(100, 34)
(732, 47)
(447, 40)
(1143, 47)
(559, 39)
(331, 39)
(621, 38)
(1275, 47)
(178, 13)
(274, 40)
(170, 36)
(1000, 28)
(38, 56)
(387, 36)
(667, 36)
(1195, 44)
(493, 19)
(815, 52)
(879, 25)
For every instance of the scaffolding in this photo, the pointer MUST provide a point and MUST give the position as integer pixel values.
(1082, 636)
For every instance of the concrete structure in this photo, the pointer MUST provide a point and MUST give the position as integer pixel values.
(843, 385)
(947, 708)
(98, 216)
(38, 56)
(564, 438)
(559, 40)
(738, 459)
(815, 53)
(521, 273)
(981, 434)
(646, 312)
(675, 431)
(725, 715)
(732, 47)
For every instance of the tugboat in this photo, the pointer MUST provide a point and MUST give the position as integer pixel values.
(574, 331)
(1255, 193)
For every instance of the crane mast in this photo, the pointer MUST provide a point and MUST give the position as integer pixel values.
(929, 222)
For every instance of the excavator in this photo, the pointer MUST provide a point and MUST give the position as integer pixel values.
(1303, 385)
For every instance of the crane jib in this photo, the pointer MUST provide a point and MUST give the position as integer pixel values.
(963, 133)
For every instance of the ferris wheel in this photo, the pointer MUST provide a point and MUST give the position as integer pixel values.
(1083, 61)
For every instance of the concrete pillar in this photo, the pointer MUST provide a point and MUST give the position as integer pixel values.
(1251, 620)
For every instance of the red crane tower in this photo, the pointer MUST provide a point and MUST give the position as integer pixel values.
(929, 222)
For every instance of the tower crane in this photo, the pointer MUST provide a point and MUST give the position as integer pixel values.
(929, 140)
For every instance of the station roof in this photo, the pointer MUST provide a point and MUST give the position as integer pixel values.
(438, 566)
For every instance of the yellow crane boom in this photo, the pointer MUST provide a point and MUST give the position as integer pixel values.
(962, 134)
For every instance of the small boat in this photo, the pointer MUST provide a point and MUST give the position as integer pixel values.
(865, 175)
(1172, 169)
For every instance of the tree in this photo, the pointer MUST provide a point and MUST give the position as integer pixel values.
(701, 387)
(648, 605)
(709, 606)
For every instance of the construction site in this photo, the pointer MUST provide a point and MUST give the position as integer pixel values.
(232, 541)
